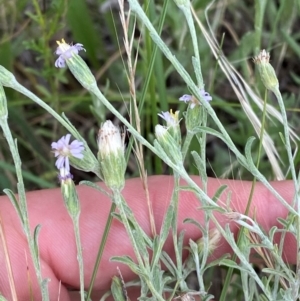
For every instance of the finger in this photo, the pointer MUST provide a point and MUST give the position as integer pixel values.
(57, 244)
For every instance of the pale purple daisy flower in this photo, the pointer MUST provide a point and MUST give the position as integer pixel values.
(190, 98)
(170, 117)
(63, 150)
(66, 51)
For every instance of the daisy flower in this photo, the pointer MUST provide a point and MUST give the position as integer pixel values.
(66, 51)
(63, 150)
(190, 98)
(170, 117)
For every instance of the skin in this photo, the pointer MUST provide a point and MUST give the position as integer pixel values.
(57, 243)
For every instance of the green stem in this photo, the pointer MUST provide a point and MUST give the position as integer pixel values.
(121, 205)
(175, 201)
(287, 143)
(101, 249)
(246, 264)
(23, 208)
(79, 255)
(189, 18)
(242, 230)
(288, 147)
(186, 144)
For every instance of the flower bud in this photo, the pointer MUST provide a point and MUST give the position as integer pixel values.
(193, 117)
(111, 155)
(266, 71)
(168, 143)
(3, 104)
(69, 193)
(7, 79)
(82, 72)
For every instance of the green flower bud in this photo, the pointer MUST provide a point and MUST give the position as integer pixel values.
(7, 79)
(3, 103)
(69, 193)
(266, 71)
(168, 143)
(111, 156)
(193, 117)
(82, 72)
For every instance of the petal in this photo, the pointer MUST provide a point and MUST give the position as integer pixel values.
(205, 95)
(79, 156)
(76, 143)
(60, 162)
(164, 115)
(185, 98)
(54, 145)
(56, 153)
(79, 47)
(60, 62)
(67, 139)
(67, 164)
(76, 150)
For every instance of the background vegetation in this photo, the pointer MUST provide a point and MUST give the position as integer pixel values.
(28, 34)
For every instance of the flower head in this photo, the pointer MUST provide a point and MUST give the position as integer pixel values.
(172, 124)
(169, 143)
(170, 117)
(63, 150)
(109, 139)
(190, 98)
(66, 51)
(111, 155)
(262, 58)
(266, 70)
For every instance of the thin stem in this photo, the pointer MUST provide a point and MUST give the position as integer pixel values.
(189, 18)
(101, 249)
(288, 147)
(23, 208)
(288, 144)
(175, 201)
(79, 255)
(186, 144)
(246, 264)
(242, 230)
(118, 199)
(119, 203)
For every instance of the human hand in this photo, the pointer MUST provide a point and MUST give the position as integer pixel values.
(57, 244)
